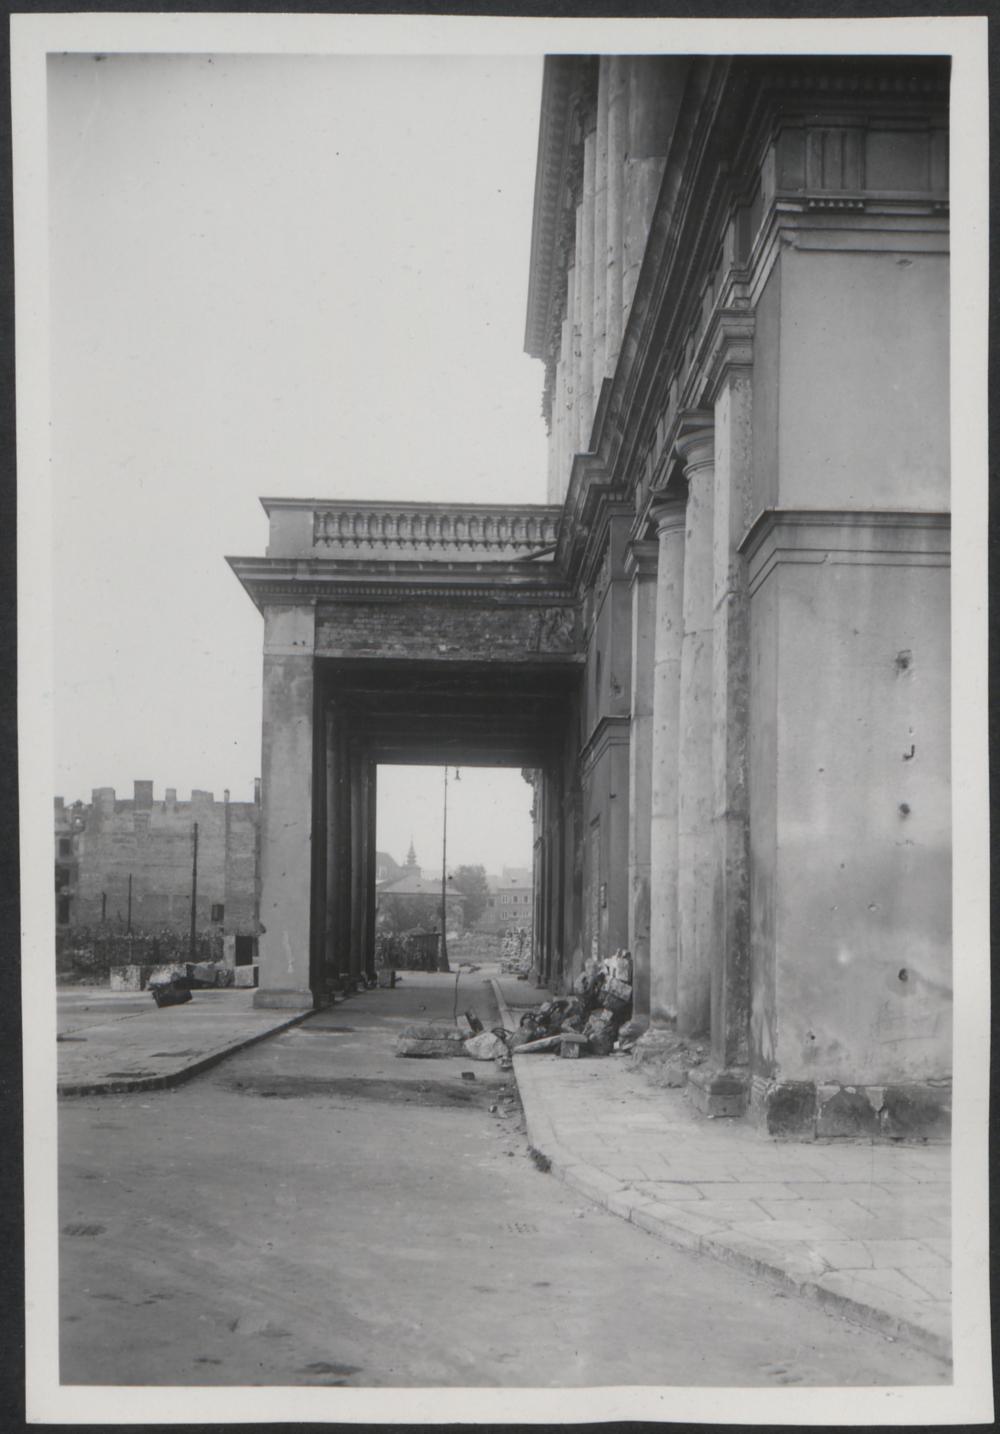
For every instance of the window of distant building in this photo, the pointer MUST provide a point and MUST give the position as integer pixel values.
(62, 911)
(65, 846)
(218, 912)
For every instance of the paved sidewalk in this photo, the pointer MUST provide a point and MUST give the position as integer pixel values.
(864, 1228)
(112, 1042)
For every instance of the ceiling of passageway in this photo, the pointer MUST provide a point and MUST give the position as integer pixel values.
(432, 713)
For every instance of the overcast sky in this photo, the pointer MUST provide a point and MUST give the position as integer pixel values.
(271, 275)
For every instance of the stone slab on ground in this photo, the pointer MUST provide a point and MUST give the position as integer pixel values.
(123, 1049)
(861, 1227)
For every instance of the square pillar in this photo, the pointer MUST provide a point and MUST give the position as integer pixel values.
(285, 944)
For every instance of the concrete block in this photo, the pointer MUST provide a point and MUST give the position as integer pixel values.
(789, 1109)
(414, 1046)
(845, 1113)
(128, 978)
(917, 1112)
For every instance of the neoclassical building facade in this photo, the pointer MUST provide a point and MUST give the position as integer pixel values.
(722, 646)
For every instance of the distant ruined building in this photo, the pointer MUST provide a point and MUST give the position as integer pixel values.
(129, 862)
(722, 647)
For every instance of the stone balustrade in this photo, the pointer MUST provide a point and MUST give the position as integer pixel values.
(435, 526)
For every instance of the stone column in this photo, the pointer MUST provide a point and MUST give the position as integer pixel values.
(696, 446)
(656, 86)
(617, 136)
(576, 364)
(558, 478)
(599, 360)
(640, 565)
(370, 775)
(643, 171)
(730, 699)
(287, 809)
(667, 643)
(357, 862)
(585, 280)
(331, 847)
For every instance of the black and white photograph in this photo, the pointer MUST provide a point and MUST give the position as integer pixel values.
(503, 729)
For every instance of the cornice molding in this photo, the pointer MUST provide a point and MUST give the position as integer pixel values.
(832, 537)
(277, 581)
(608, 732)
(565, 88)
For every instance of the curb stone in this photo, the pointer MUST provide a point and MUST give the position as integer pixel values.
(654, 1217)
(127, 1084)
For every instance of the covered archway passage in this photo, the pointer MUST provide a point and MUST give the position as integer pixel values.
(401, 634)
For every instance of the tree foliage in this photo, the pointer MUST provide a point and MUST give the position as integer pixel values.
(471, 882)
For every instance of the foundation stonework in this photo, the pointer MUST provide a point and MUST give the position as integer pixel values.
(722, 649)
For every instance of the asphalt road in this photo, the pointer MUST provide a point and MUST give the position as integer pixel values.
(317, 1211)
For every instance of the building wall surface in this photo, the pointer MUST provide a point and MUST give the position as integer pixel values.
(152, 842)
(782, 380)
(738, 288)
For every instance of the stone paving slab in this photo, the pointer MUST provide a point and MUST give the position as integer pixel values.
(151, 1048)
(862, 1228)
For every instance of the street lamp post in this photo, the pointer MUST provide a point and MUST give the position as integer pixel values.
(443, 953)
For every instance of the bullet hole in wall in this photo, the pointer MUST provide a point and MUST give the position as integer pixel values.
(904, 660)
(904, 809)
(904, 975)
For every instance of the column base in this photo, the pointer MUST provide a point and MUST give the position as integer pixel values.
(805, 1110)
(284, 999)
(663, 1056)
(717, 1092)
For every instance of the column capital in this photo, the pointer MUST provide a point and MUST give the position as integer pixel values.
(640, 559)
(694, 439)
(666, 514)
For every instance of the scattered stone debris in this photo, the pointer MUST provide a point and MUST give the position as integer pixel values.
(515, 954)
(591, 1021)
(485, 1046)
(431, 1039)
(172, 989)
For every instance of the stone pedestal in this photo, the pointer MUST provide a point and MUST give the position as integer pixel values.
(717, 1092)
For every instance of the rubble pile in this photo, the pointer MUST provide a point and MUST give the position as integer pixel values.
(591, 1021)
(588, 1022)
(469, 1041)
